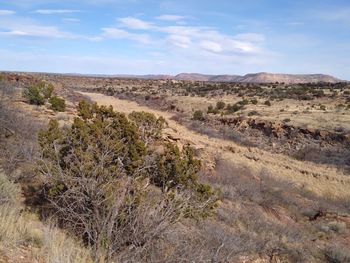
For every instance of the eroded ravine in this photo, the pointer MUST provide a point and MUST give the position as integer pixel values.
(319, 179)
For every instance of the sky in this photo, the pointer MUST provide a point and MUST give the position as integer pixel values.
(170, 37)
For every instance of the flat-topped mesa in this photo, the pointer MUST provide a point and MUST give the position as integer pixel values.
(262, 77)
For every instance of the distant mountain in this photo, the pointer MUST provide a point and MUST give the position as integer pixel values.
(193, 77)
(262, 77)
(287, 78)
(150, 76)
(203, 77)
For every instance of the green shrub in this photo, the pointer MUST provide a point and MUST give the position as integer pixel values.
(198, 115)
(220, 105)
(39, 93)
(127, 186)
(47, 91)
(234, 108)
(267, 103)
(33, 94)
(254, 101)
(212, 110)
(150, 127)
(57, 104)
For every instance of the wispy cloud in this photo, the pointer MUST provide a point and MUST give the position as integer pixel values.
(180, 41)
(56, 11)
(71, 20)
(211, 46)
(37, 31)
(17, 26)
(194, 38)
(135, 23)
(117, 33)
(170, 17)
(6, 12)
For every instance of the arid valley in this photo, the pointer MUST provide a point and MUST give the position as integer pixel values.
(275, 154)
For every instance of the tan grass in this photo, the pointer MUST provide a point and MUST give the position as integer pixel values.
(23, 236)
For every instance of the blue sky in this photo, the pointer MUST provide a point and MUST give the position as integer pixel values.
(169, 37)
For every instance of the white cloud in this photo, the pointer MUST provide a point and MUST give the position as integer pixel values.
(14, 33)
(122, 34)
(180, 41)
(170, 17)
(56, 11)
(37, 31)
(6, 12)
(193, 38)
(211, 46)
(252, 37)
(135, 23)
(21, 27)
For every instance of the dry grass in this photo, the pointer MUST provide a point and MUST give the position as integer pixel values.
(57, 247)
(22, 235)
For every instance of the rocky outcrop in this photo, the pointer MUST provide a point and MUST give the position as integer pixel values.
(282, 130)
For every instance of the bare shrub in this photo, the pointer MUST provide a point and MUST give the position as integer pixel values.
(18, 136)
(337, 254)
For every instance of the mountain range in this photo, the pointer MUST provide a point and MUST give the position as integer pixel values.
(261, 77)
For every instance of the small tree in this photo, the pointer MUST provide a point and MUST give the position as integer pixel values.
(150, 127)
(212, 110)
(58, 104)
(220, 105)
(47, 91)
(107, 186)
(39, 93)
(34, 96)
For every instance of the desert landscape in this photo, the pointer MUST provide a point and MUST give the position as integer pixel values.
(275, 154)
(174, 131)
